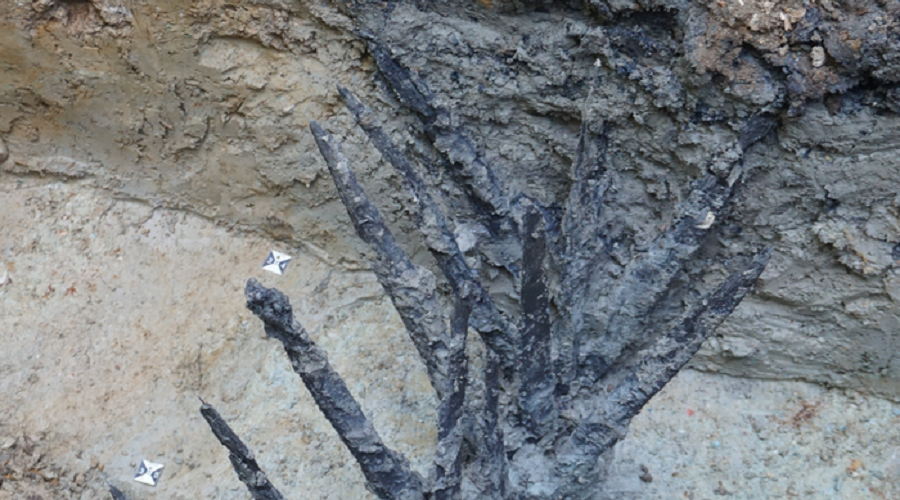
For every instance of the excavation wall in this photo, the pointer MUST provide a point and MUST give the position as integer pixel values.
(156, 151)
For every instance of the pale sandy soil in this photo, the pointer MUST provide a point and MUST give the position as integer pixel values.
(115, 317)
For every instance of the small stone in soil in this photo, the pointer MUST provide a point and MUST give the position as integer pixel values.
(645, 474)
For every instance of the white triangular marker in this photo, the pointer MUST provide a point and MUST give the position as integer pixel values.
(276, 262)
(148, 473)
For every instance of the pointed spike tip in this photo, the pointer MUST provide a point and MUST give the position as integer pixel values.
(344, 93)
